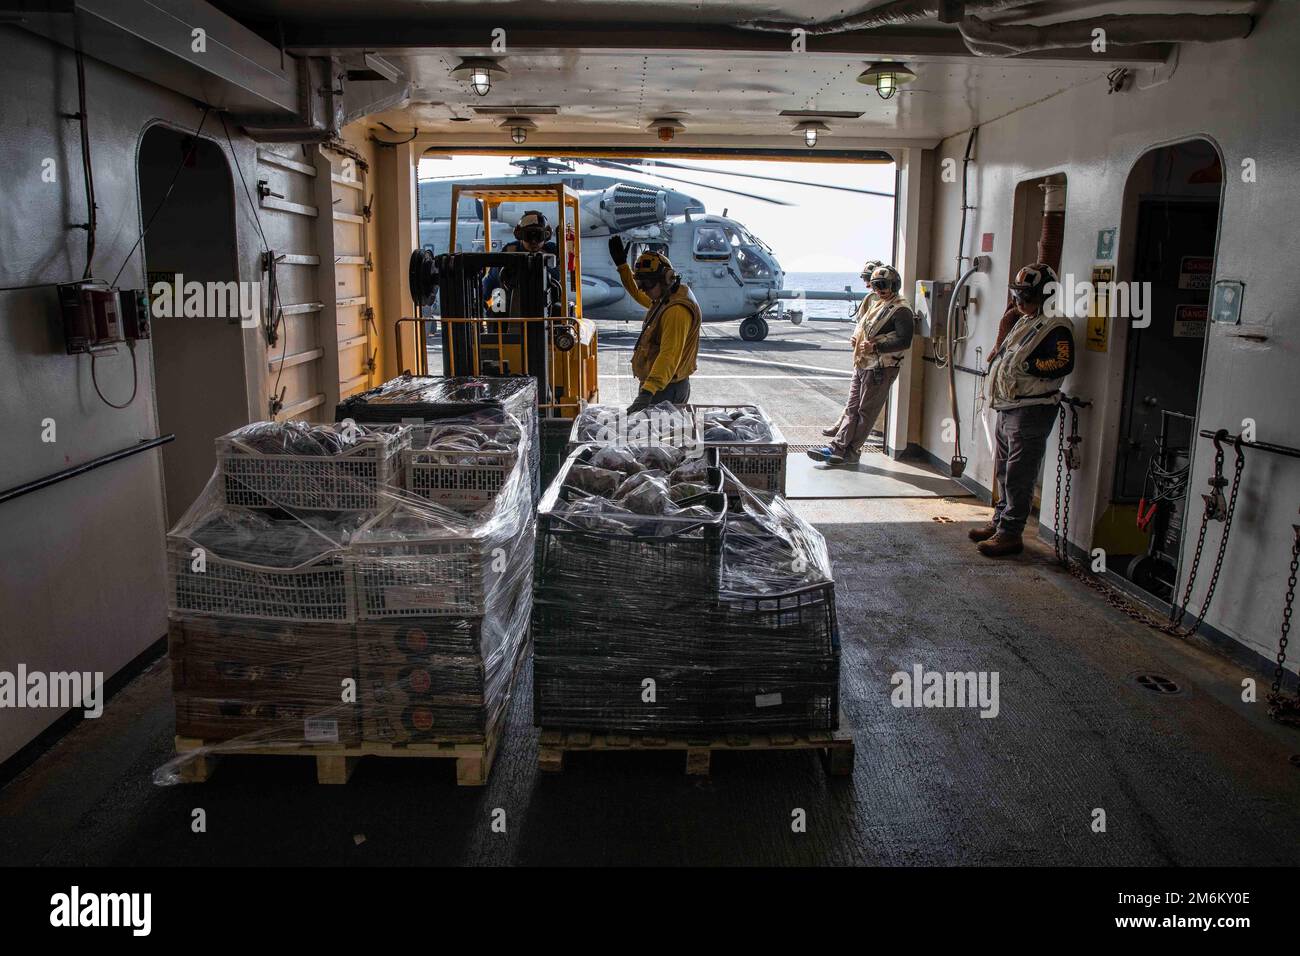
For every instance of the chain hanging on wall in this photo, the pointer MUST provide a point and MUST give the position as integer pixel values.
(1284, 709)
(1216, 509)
(1067, 462)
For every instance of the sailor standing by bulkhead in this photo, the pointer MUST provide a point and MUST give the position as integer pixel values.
(1033, 355)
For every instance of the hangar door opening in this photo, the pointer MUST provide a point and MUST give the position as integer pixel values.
(187, 206)
(1172, 204)
(773, 249)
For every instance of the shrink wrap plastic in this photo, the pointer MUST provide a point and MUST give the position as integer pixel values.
(679, 614)
(314, 599)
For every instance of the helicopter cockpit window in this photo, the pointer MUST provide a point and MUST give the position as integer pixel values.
(711, 243)
(640, 247)
(752, 265)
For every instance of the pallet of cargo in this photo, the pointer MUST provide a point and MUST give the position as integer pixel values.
(835, 746)
(473, 753)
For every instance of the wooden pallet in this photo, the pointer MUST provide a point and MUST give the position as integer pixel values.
(835, 746)
(335, 762)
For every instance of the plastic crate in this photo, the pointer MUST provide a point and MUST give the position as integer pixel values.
(319, 590)
(354, 480)
(693, 442)
(456, 575)
(757, 465)
(458, 479)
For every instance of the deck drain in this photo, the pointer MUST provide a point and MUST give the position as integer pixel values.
(1157, 683)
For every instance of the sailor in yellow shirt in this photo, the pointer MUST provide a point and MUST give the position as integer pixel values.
(666, 350)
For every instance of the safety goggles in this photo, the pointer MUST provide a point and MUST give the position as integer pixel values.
(882, 285)
(534, 235)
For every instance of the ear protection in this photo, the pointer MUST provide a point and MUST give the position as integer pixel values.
(530, 221)
(887, 272)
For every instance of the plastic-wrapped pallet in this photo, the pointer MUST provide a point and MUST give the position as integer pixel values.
(398, 625)
(673, 612)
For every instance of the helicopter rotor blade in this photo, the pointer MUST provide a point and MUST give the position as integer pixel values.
(722, 189)
(774, 179)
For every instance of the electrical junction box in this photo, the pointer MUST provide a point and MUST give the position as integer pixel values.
(90, 315)
(931, 306)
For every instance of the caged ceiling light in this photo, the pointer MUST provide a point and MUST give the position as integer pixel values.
(478, 71)
(886, 77)
(666, 128)
(810, 130)
(519, 126)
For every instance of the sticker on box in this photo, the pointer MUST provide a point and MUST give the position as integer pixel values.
(767, 700)
(320, 730)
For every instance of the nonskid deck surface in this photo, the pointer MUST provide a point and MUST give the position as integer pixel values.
(1193, 777)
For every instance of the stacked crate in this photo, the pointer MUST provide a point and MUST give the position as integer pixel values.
(683, 625)
(758, 465)
(403, 626)
(421, 399)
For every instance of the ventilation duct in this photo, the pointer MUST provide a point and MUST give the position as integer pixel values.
(990, 39)
(1052, 238)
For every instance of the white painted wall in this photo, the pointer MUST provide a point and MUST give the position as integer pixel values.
(1240, 95)
(82, 586)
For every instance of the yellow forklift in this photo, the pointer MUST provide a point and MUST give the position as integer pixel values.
(527, 323)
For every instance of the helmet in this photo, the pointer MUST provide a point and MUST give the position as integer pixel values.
(652, 268)
(1030, 284)
(881, 273)
(533, 226)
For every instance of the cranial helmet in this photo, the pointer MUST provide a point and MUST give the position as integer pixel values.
(881, 272)
(652, 268)
(533, 226)
(1030, 283)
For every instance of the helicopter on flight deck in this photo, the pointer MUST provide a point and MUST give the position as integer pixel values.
(733, 273)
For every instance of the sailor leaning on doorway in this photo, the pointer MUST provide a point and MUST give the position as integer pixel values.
(1033, 355)
(880, 343)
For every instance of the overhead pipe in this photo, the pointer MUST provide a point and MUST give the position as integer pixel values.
(997, 39)
(898, 13)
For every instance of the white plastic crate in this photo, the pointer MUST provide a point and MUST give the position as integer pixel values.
(758, 465)
(353, 480)
(455, 575)
(465, 480)
(317, 590)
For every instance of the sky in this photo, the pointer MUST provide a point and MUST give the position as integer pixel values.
(824, 230)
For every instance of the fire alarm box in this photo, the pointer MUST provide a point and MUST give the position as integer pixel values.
(90, 316)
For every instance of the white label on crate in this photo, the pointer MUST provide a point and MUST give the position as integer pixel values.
(407, 597)
(319, 730)
(767, 700)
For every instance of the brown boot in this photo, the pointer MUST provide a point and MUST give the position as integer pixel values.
(982, 534)
(1001, 544)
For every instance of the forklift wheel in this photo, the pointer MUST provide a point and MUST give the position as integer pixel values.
(753, 329)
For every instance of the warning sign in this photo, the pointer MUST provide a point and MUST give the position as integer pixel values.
(1195, 272)
(1098, 318)
(1189, 321)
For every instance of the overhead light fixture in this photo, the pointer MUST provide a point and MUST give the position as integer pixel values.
(886, 77)
(478, 71)
(519, 127)
(666, 128)
(811, 129)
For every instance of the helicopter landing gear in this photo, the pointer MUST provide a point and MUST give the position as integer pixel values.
(754, 329)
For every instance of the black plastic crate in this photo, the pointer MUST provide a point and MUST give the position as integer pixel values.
(656, 557)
